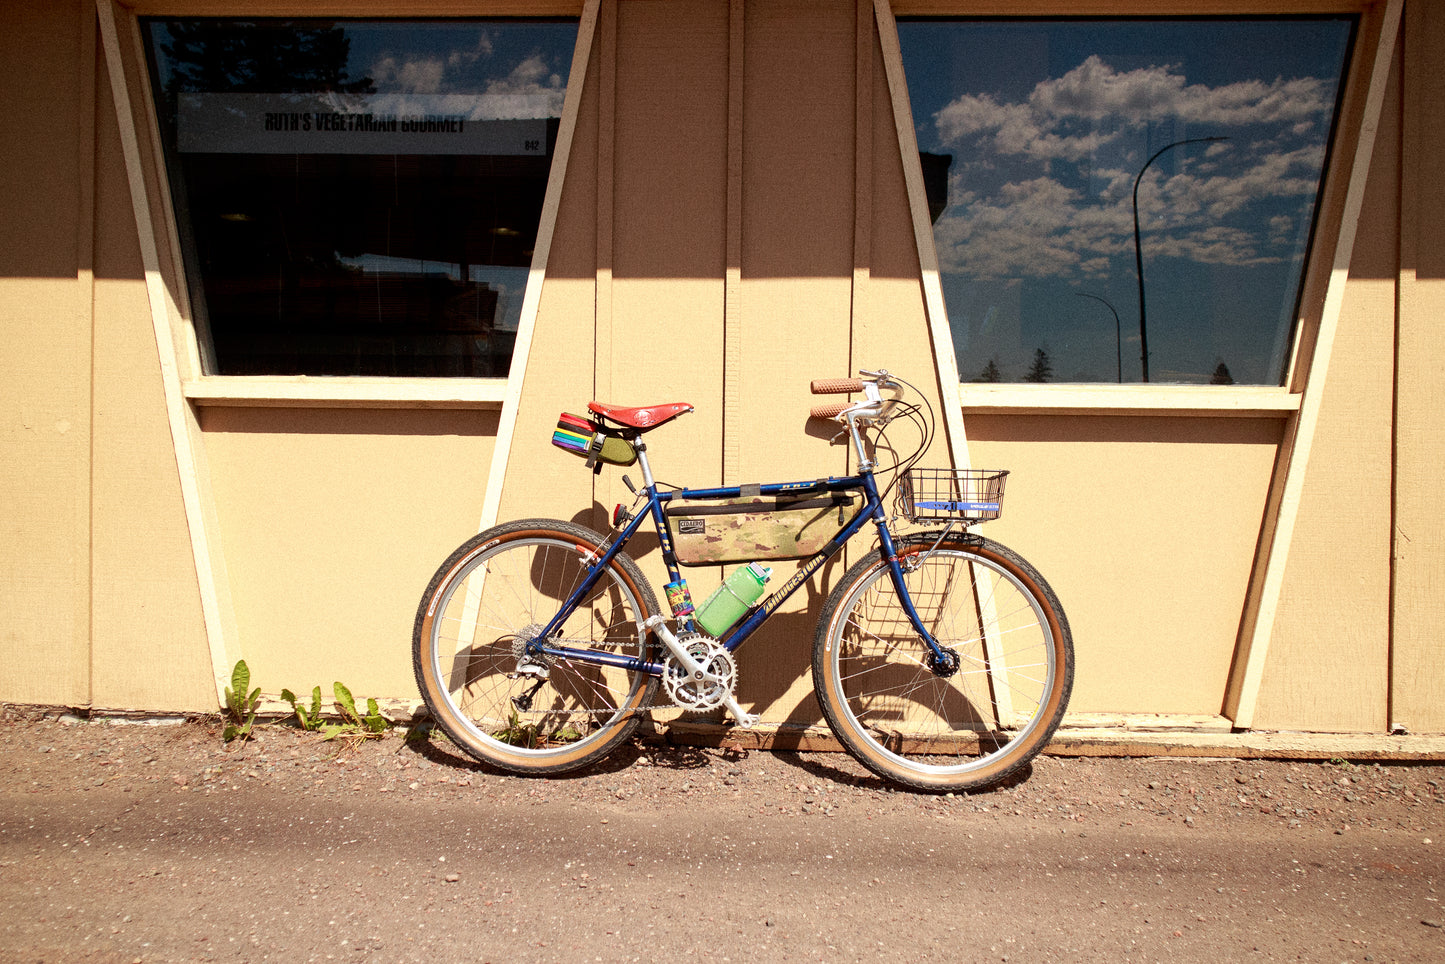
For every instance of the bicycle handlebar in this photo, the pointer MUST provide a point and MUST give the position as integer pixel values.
(874, 406)
(831, 410)
(836, 386)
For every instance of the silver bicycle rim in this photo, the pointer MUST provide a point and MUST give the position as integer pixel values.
(1028, 675)
(506, 605)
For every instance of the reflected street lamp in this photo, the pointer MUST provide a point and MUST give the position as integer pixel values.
(1138, 251)
(1118, 334)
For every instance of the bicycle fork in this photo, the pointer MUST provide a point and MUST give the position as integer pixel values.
(942, 662)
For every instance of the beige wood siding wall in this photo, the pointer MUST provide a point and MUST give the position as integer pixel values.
(46, 272)
(735, 220)
(101, 598)
(1417, 657)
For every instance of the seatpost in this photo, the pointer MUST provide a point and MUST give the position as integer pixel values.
(641, 448)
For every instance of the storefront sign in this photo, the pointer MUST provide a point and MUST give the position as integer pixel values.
(361, 124)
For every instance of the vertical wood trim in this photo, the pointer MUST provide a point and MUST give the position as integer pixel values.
(83, 625)
(862, 187)
(606, 189)
(1404, 611)
(546, 228)
(862, 167)
(944, 359)
(1417, 536)
(604, 334)
(177, 414)
(733, 361)
(1242, 699)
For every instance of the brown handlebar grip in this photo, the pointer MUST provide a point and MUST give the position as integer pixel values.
(836, 386)
(829, 411)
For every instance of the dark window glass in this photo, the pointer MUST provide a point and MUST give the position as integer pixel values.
(1034, 135)
(358, 198)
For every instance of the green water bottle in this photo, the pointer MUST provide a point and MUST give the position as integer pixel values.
(730, 600)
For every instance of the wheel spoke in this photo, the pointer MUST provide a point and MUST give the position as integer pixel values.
(949, 729)
(520, 710)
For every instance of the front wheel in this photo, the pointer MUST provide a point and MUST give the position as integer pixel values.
(528, 712)
(973, 721)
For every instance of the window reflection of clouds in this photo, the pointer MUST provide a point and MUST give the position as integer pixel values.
(341, 213)
(1049, 124)
(526, 63)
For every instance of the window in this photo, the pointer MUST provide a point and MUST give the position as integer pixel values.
(354, 197)
(1036, 139)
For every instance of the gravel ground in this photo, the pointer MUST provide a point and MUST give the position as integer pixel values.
(129, 842)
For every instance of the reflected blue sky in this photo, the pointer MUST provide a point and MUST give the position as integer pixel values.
(1048, 124)
(437, 57)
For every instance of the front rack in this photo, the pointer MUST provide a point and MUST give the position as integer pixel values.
(951, 495)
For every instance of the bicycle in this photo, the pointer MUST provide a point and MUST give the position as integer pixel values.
(941, 661)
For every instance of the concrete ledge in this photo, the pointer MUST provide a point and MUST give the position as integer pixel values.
(1101, 735)
(1114, 741)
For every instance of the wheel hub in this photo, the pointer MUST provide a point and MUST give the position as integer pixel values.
(945, 664)
(534, 663)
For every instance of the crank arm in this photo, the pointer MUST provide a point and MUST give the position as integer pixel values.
(694, 669)
(744, 720)
(659, 626)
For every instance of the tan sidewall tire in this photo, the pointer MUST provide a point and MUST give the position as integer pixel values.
(461, 732)
(1018, 754)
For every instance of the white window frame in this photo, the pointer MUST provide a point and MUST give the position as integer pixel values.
(202, 389)
(1335, 217)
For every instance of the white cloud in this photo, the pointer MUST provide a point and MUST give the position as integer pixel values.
(1020, 208)
(420, 76)
(532, 89)
(531, 86)
(1062, 116)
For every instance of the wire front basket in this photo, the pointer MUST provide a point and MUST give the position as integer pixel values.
(952, 495)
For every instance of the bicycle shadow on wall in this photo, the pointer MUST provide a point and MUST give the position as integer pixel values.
(785, 641)
(534, 701)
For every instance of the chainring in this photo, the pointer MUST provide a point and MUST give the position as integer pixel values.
(720, 674)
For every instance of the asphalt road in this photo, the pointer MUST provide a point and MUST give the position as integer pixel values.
(122, 844)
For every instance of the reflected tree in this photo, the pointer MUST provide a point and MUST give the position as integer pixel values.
(1041, 370)
(212, 55)
(990, 372)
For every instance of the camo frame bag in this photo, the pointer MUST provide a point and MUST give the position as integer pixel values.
(708, 532)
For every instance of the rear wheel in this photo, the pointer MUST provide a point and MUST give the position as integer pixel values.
(529, 713)
(954, 729)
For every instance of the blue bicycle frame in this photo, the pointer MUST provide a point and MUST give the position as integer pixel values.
(657, 498)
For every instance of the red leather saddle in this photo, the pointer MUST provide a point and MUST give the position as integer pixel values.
(643, 418)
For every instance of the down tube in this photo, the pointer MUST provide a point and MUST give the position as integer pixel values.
(872, 512)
